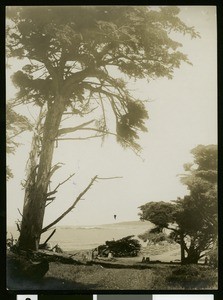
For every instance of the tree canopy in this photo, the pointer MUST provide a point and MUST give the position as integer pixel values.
(193, 218)
(76, 52)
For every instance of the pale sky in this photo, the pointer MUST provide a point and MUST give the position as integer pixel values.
(183, 114)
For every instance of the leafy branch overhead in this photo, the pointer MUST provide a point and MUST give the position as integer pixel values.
(15, 125)
(78, 52)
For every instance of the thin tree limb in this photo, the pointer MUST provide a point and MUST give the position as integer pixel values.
(71, 207)
(51, 193)
(16, 134)
(54, 169)
(115, 177)
(80, 138)
(72, 129)
(104, 132)
(49, 237)
(79, 197)
(80, 112)
(103, 110)
(114, 134)
(51, 199)
(18, 227)
(20, 212)
(61, 183)
(48, 203)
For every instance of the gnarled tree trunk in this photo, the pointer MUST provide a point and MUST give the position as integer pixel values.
(182, 248)
(193, 254)
(37, 187)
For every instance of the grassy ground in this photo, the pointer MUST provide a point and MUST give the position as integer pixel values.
(84, 277)
(158, 276)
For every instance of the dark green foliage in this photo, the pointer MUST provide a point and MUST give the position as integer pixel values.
(200, 206)
(37, 90)
(192, 219)
(213, 257)
(159, 213)
(204, 169)
(206, 157)
(124, 247)
(155, 236)
(73, 50)
(15, 125)
(192, 276)
(133, 119)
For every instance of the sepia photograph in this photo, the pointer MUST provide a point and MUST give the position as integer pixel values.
(111, 143)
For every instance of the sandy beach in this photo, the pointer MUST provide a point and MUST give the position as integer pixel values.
(71, 238)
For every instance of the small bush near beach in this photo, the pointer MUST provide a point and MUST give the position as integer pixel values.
(124, 247)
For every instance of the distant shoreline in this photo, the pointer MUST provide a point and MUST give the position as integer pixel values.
(75, 238)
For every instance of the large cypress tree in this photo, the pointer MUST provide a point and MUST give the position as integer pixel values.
(70, 54)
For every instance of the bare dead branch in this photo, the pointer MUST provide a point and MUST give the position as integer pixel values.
(104, 132)
(107, 178)
(72, 129)
(54, 169)
(80, 138)
(20, 212)
(103, 109)
(114, 134)
(71, 207)
(51, 193)
(50, 199)
(18, 227)
(49, 237)
(48, 203)
(72, 255)
(16, 134)
(80, 112)
(61, 183)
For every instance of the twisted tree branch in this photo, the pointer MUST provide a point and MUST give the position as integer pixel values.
(71, 207)
(72, 129)
(75, 202)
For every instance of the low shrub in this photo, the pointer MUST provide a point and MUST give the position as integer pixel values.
(124, 247)
(155, 238)
(193, 276)
(213, 258)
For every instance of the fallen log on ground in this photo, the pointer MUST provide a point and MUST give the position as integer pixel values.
(49, 256)
(59, 257)
(129, 265)
(116, 265)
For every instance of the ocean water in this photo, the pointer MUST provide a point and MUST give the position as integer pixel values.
(71, 238)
